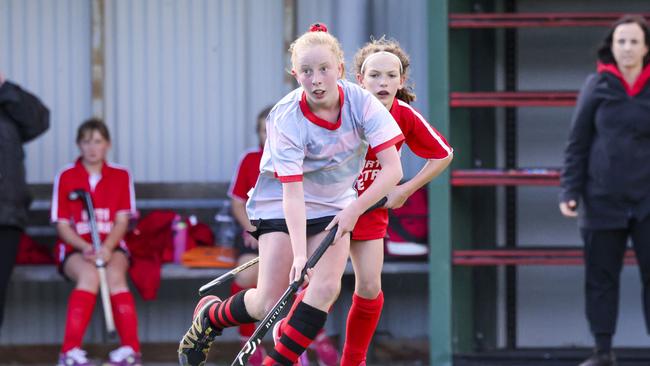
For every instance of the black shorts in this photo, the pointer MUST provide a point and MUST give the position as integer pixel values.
(314, 226)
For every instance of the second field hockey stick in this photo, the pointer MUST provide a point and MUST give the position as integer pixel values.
(227, 276)
(87, 202)
(265, 325)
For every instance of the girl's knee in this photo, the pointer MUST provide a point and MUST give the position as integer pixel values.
(368, 289)
(116, 280)
(326, 291)
(89, 281)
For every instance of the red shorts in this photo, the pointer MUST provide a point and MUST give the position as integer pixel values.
(63, 251)
(371, 225)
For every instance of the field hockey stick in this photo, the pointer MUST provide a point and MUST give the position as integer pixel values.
(227, 276)
(265, 325)
(99, 262)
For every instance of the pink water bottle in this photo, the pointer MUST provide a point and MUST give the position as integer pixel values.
(180, 238)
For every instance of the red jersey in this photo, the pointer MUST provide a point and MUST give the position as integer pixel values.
(424, 140)
(112, 193)
(247, 173)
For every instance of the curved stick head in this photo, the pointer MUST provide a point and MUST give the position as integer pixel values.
(76, 194)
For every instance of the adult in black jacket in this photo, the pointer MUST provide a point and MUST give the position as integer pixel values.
(22, 118)
(606, 175)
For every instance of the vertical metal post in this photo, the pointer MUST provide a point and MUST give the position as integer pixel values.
(290, 34)
(440, 315)
(98, 59)
(511, 192)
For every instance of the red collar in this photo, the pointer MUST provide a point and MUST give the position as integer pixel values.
(82, 168)
(394, 110)
(304, 107)
(639, 83)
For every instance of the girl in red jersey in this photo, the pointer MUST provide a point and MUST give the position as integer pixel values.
(111, 189)
(382, 68)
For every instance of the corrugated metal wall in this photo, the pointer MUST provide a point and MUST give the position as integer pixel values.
(185, 80)
(45, 47)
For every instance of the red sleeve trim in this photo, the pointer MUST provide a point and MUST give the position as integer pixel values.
(289, 178)
(383, 146)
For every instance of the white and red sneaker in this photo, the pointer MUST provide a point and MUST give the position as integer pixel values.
(74, 357)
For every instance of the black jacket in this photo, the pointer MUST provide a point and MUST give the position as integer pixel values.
(607, 157)
(22, 118)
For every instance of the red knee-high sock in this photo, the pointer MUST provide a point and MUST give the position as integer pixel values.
(126, 319)
(230, 313)
(245, 330)
(299, 331)
(362, 321)
(80, 309)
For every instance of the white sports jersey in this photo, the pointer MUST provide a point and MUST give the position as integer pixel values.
(326, 157)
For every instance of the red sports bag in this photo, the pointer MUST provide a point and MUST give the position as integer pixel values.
(408, 228)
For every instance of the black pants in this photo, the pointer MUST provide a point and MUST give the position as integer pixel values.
(604, 251)
(9, 239)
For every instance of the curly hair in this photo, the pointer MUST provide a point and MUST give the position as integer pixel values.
(383, 44)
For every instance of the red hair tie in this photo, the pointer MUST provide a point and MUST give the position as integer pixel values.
(318, 27)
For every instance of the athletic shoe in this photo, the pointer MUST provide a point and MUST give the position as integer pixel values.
(325, 350)
(74, 357)
(277, 333)
(195, 344)
(257, 358)
(607, 359)
(124, 356)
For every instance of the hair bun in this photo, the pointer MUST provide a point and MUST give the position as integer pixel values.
(318, 27)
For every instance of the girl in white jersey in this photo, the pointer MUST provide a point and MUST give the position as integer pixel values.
(382, 68)
(318, 136)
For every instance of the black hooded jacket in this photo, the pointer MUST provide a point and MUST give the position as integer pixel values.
(607, 157)
(22, 118)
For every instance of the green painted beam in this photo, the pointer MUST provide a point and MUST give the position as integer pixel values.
(461, 211)
(440, 314)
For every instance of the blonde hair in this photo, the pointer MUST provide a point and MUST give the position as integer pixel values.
(318, 38)
(382, 44)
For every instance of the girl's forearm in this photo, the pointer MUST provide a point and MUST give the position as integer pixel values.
(431, 169)
(117, 232)
(70, 236)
